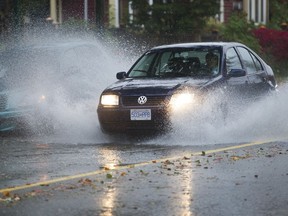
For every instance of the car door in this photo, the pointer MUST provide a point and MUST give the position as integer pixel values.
(256, 74)
(236, 86)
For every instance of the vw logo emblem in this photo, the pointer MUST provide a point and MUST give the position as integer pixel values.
(142, 100)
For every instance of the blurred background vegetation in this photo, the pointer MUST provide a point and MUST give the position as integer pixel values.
(170, 22)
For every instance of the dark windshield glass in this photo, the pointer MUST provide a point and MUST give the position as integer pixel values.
(192, 62)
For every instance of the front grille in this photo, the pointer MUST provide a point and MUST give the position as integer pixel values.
(151, 101)
(3, 102)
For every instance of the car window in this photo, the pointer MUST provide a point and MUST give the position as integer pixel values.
(247, 60)
(232, 60)
(179, 63)
(141, 69)
(90, 59)
(162, 62)
(20, 67)
(257, 62)
(69, 62)
(87, 53)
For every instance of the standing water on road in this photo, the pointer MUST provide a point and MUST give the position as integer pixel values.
(77, 122)
(265, 119)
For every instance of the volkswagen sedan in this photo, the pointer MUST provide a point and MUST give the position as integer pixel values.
(170, 78)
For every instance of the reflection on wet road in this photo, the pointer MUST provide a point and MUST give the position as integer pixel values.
(142, 179)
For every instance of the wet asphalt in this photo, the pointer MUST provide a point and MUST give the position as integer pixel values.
(42, 178)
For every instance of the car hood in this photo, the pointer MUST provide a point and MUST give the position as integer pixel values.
(150, 86)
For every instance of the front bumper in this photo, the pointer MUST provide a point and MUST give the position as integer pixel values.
(117, 120)
(14, 119)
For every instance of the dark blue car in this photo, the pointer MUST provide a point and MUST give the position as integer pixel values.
(173, 78)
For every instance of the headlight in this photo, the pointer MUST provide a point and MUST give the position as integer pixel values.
(110, 100)
(25, 100)
(182, 100)
(42, 99)
(33, 100)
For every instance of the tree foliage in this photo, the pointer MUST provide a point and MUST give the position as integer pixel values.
(274, 45)
(33, 8)
(274, 42)
(179, 16)
(238, 29)
(279, 13)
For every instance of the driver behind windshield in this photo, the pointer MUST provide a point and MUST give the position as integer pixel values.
(212, 63)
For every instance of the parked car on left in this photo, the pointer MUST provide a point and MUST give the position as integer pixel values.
(33, 78)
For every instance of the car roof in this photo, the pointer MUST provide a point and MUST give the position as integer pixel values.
(197, 44)
(53, 46)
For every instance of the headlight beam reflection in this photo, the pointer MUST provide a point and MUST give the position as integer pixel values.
(182, 100)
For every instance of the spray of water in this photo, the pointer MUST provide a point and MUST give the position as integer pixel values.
(71, 85)
(265, 119)
(77, 122)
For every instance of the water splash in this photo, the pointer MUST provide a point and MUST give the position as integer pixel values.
(78, 122)
(266, 119)
(73, 97)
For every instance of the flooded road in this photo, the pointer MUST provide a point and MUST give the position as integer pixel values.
(239, 168)
(236, 168)
(142, 178)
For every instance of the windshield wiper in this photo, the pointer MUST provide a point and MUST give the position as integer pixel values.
(143, 71)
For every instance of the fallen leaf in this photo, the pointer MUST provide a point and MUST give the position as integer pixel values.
(6, 193)
(235, 158)
(218, 159)
(85, 181)
(167, 162)
(17, 197)
(71, 187)
(109, 176)
(143, 173)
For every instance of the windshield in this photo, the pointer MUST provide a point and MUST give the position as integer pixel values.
(188, 62)
(22, 66)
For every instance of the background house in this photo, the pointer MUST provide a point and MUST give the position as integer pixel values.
(256, 10)
(100, 14)
(112, 13)
(90, 11)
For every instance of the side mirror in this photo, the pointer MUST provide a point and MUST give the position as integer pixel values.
(121, 75)
(237, 73)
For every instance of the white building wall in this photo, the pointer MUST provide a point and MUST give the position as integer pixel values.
(221, 18)
(114, 15)
(257, 11)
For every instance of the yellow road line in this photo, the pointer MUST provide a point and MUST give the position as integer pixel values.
(120, 167)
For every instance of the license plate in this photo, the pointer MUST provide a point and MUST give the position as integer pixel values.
(140, 114)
